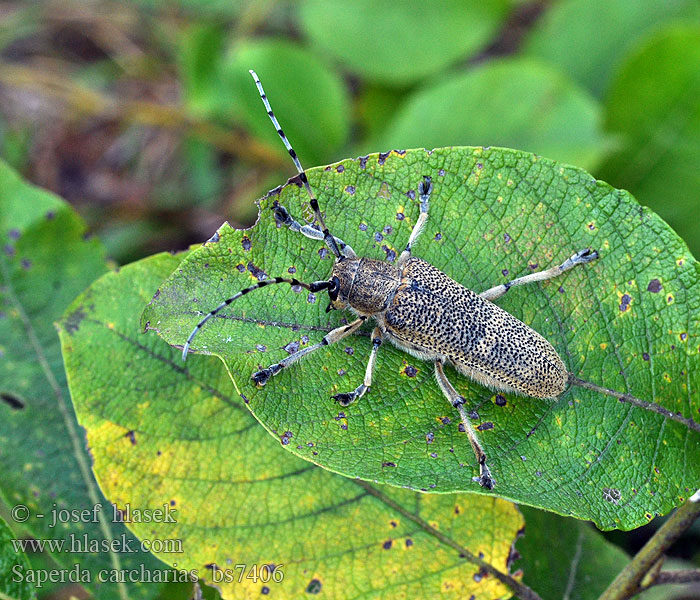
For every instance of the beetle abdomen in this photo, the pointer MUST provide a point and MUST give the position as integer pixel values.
(432, 315)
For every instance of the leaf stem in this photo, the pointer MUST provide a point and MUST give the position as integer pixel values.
(629, 580)
(646, 405)
(523, 592)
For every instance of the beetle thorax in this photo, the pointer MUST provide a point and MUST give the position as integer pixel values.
(366, 285)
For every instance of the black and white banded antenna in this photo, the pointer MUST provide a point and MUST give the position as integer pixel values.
(312, 287)
(327, 237)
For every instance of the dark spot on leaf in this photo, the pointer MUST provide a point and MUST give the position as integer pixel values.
(9, 250)
(500, 400)
(296, 289)
(669, 299)
(438, 236)
(485, 426)
(245, 398)
(378, 237)
(341, 372)
(363, 161)
(461, 428)
(73, 320)
(506, 238)
(400, 216)
(256, 272)
(13, 234)
(350, 189)
(51, 215)
(654, 286)
(387, 545)
(382, 157)
(479, 166)
(314, 587)
(363, 226)
(265, 590)
(292, 270)
(341, 415)
(388, 464)
(291, 347)
(261, 348)
(323, 252)
(349, 350)
(645, 356)
(241, 268)
(344, 426)
(340, 168)
(132, 437)
(285, 438)
(473, 414)
(611, 495)
(409, 543)
(505, 272)
(561, 289)
(411, 194)
(390, 254)
(12, 401)
(387, 229)
(625, 302)
(310, 444)
(410, 371)
(683, 336)
(478, 577)
(245, 242)
(591, 226)
(214, 238)
(311, 298)
(538, 473)
(446, 420)
(430, 437)
(533, 266)
(433, 454)
(304, 339)
(441, 172)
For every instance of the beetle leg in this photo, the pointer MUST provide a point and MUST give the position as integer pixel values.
(580, 258)
(350, 397)
(425, 188)
(484, 479)
(337, 334)
(283, 217)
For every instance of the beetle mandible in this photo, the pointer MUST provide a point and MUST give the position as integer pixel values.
(421, 310)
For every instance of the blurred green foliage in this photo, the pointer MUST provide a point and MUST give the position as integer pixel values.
(144, 117)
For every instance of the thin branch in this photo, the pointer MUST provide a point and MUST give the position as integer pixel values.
(628, 581)
(675, 577)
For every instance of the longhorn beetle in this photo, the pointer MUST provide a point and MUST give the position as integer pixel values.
(422, 311)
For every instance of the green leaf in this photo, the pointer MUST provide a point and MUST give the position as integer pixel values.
(626, 321)
(562, 558)
(45, 261)
(299, 85)
(13, 568)
(401, 42)
(518, 103)
(166, 434)
(653, 104)
(589, 38)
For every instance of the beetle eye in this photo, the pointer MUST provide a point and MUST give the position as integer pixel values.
(334, 288)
